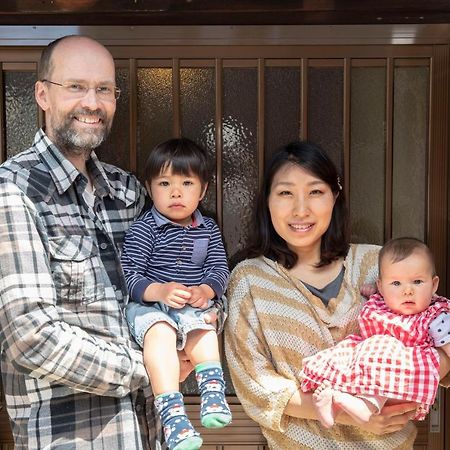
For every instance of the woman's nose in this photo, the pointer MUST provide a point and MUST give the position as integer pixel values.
(301, 206)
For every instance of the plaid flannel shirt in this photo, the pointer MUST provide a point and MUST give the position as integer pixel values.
(72, 377)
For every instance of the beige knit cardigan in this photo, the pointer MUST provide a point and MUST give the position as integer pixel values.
(273, 323)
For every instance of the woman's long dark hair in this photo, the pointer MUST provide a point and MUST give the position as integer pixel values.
(266, 241)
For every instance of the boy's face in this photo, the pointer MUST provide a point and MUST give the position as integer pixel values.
(408, 285)
(176, 196)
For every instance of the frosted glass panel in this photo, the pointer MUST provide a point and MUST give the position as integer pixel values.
(410, 151)
(116, 149)
(154, 111)
(282, 107)
(20, 110)
(325, 110)
(197, 86)
(240, 154)
(367, 154)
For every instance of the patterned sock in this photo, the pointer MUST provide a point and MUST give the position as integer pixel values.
(214, 409)
(178, 430)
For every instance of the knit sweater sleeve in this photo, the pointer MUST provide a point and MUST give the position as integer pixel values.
(263, 393)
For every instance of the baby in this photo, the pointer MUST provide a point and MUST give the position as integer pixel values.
(394, 358)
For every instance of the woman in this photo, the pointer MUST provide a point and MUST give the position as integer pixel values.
(299, 294)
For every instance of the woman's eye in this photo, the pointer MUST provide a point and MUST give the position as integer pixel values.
(316, 192)
(285, 193)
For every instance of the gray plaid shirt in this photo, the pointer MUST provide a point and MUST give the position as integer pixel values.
(72, 377)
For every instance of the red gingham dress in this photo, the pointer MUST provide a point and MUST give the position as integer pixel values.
(394, 357)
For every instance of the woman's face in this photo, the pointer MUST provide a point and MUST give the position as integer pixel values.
(300, 206)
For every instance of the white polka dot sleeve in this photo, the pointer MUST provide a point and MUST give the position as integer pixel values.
(440, 329)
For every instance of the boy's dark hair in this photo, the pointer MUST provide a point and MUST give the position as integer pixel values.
(266, 241)
(184, 156)
(401, 248)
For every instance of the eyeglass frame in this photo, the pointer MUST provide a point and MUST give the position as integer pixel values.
(117, 91)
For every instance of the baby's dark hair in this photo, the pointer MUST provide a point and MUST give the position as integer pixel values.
(182, 155)
(401, 248)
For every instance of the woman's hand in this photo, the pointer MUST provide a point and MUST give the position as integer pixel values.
(391, 418)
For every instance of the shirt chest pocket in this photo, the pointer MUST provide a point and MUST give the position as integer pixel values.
(199, 251)
(77, 270)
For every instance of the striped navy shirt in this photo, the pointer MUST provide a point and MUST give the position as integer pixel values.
(157, 250)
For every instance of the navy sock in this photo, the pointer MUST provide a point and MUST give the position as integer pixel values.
(214, 409)
(178, 430)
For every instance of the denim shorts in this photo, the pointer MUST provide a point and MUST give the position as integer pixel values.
(141, 317)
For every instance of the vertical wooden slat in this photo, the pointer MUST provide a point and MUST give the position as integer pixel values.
(261, 123)
(40, 113)
(219, 143)
(389, 147)
(438, 198)
(304, 99)
(176, 97)
(437, 202)
(2, 117)
(133, 114)
(219, 157)
(346, 126)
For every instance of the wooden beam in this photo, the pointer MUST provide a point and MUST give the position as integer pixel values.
(219, 12)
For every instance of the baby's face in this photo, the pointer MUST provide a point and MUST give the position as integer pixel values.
(408, 285)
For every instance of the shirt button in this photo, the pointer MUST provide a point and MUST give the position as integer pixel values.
(179, 262)
(184, 247)
(114, 287)
(138, 408)
(103, 246)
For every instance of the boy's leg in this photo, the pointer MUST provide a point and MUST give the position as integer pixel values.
(203, 349)
(162, 364)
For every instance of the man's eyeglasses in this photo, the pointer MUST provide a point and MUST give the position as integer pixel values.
(79, 90)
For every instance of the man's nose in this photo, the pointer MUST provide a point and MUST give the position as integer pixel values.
(90, 99)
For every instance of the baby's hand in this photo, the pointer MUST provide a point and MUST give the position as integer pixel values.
(173, 294)
(200, 296)
(368, 289)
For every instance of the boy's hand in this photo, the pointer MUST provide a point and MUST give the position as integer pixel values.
(175, 295)
(200, 296)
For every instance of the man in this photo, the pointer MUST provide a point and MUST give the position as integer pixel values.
(72, 377)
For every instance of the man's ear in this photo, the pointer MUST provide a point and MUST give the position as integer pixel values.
(41, 95)
(205, 188)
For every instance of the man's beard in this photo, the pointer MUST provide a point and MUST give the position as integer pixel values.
(72, 142)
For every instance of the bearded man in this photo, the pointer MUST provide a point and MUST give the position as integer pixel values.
(73, 379)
